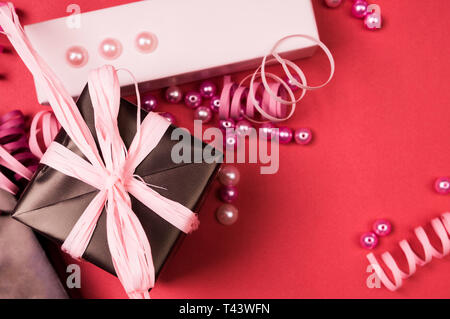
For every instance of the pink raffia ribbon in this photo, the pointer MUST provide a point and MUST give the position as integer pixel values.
(441, 227)
(113, 175)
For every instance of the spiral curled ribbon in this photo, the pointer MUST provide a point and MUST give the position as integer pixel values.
(14, 152)
(43, 130)
(113, 175)
(441, 227)
(268, 99)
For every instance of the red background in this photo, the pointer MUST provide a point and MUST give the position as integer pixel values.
(381, 137)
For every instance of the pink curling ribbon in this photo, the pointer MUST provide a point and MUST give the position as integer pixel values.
(441, 227)
(272, 106)
(14, 152)
(113, 175)
(43, 130)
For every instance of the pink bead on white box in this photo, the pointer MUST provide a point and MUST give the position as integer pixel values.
(110, 49)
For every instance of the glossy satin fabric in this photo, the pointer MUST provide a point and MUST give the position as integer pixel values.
(25, 271)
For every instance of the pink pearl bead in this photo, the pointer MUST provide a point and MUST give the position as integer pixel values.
(369, 240)
(285, 135)
(442, 185)
(203, 113)
(215, 104)
(359, 9)
(230, 141)
(110, 49)
(149, 102)
(382, 227)
(229, 175)
(146, 42)
(193, 99)
(243, 127)
(333, 3)
(267, 131)
(303, 136)
(228, 194)
(168, 116)
(227, 214)
(291, 84)
(77, 56)
(207, 89)
(173, 94)
(225, 125)
(373, 21)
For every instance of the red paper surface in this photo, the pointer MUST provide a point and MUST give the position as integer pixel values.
(381, 138)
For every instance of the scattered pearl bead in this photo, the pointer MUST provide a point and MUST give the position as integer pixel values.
(230, 140)
(442, 185)
(243, 127)
(303, 136)
(373, 21)
(333, 3)
(382, 227)
(267, 131)
(168, 116)
(146, 42)
(149, 102)
(173, 94)
(208, 89)
(215, 103)
(110, 49)
(228, 194)
(224, 125)
(77, 56)
(359, 9)
(193, 99)
(203, 113)
(291, 84)
(227, 214)
(229, 175)
(285, 135)
(369, 240)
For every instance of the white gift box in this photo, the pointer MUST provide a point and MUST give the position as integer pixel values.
(197, 39)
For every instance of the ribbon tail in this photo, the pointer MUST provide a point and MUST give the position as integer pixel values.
(173, 212)
(7, 185)
(138, 295)
(129, 246)
(13, 164)
(80, 236)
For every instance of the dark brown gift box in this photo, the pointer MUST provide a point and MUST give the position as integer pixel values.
(53, 202)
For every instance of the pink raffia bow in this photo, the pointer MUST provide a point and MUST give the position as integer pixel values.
(113, 175)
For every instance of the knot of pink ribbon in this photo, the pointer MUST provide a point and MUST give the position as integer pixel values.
(110, 167)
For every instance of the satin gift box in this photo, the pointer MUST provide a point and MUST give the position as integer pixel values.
(53, 202)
